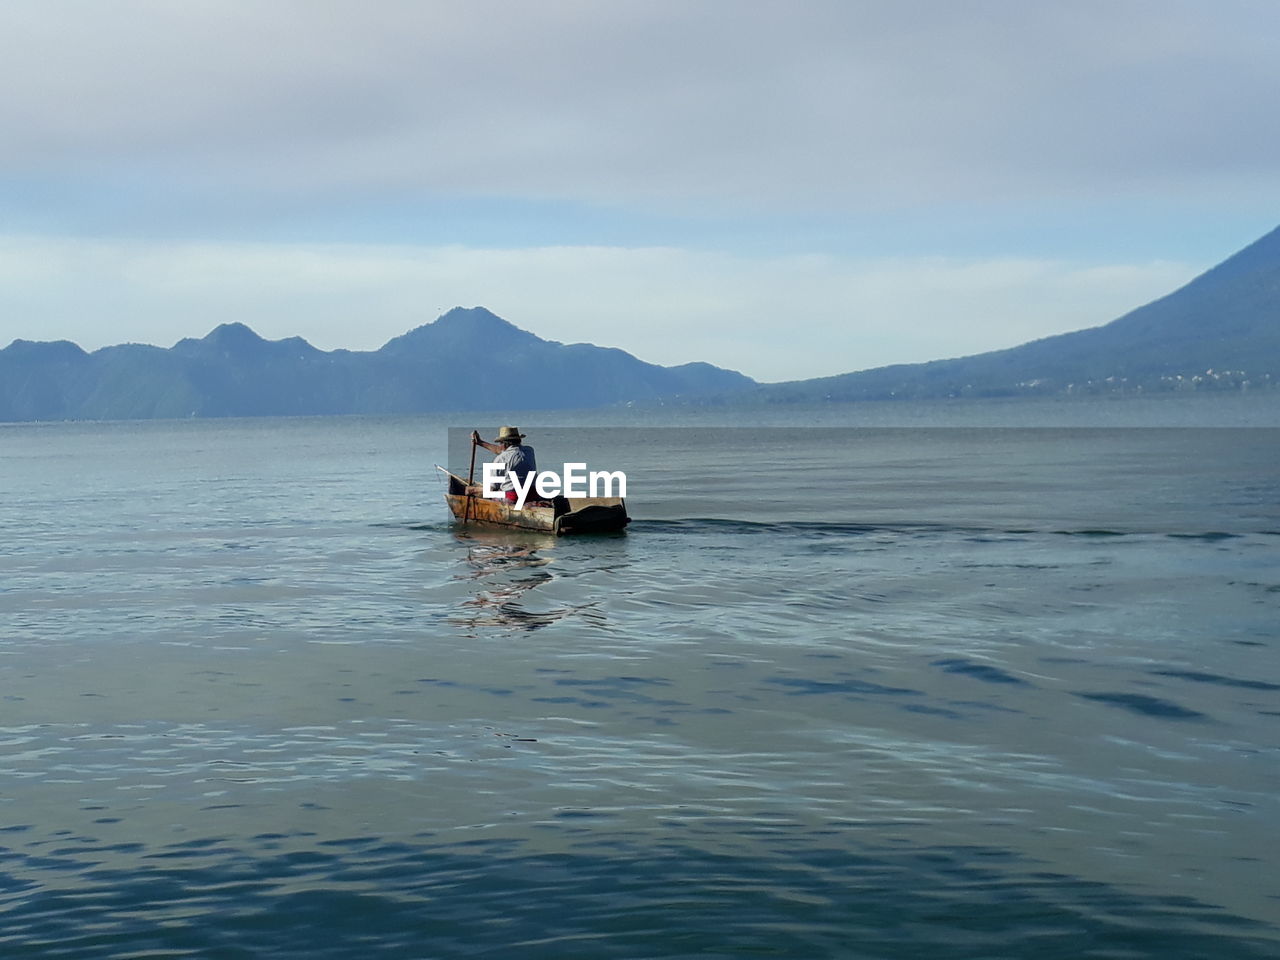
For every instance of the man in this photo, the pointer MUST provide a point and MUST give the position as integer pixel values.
(514, 456)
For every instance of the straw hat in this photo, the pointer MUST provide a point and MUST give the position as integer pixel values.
(509, 433)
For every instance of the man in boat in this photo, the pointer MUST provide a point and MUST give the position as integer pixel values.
(512, 454)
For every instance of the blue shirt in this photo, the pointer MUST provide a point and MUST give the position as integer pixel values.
(519, 463)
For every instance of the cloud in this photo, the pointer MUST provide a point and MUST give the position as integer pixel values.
(773, 317)
(708, 106)
(750, 183)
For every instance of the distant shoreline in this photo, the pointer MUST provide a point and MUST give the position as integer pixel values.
(1261, 410)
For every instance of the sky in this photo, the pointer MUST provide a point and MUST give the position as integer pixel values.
(790, 189)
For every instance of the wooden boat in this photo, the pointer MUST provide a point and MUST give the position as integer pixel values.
(563, 515)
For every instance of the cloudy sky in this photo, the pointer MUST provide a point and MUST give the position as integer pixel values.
(792, 188)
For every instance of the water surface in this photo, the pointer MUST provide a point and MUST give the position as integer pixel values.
(840, 692)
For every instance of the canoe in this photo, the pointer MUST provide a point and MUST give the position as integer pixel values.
(563, 515)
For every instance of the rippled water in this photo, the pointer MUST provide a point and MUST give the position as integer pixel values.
(957, 693)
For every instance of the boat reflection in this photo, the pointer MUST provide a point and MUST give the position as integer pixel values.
(505, 565)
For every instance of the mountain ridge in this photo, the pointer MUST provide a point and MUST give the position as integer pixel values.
(1219, 331)
(469, 358)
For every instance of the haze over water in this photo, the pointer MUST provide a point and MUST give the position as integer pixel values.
(875, 690)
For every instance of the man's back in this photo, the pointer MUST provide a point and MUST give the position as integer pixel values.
(519, 462)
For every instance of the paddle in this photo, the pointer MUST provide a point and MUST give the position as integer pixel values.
(471, 477)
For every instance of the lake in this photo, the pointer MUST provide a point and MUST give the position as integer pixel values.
(853, 684)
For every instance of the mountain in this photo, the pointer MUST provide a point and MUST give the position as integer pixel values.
(1219, 332)
(466, 359)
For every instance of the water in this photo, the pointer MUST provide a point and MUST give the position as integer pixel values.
(885, 693)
